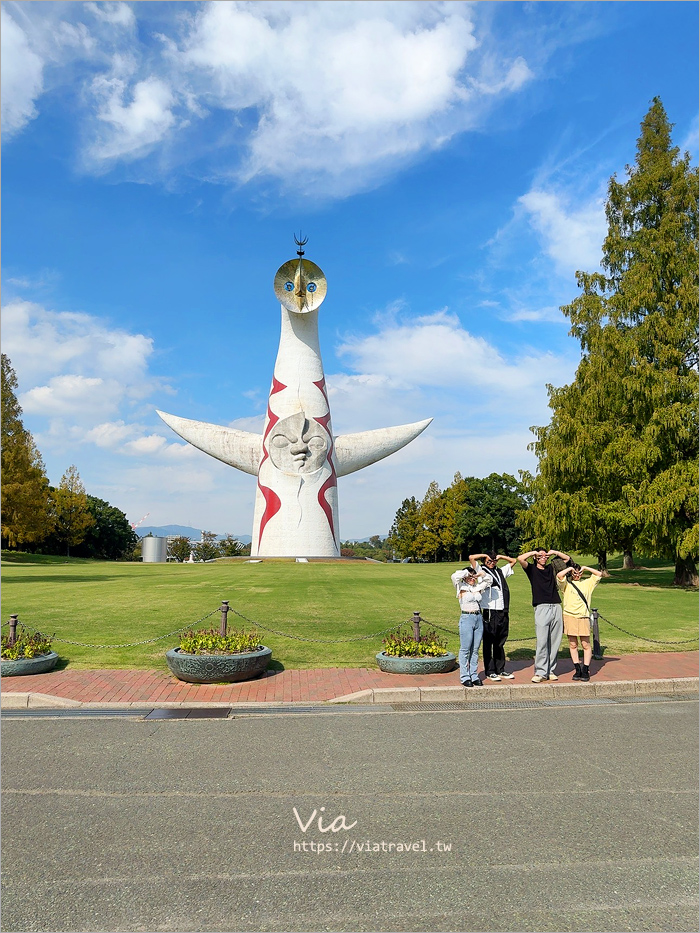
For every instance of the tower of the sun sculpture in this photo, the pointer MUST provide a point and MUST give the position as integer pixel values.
(297, 459)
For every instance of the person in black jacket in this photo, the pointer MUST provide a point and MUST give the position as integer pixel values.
(495, 604)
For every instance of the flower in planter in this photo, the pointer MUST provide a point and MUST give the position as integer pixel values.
(213, 642)
(401, 644)
(25, 646)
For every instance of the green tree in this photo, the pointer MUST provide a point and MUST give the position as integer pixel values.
(231, 547)
(72, 514)
(618, 463)
(110, 537)
(207, 548)
(429, 541)
(487, 519)
(376, 548)
(180, 548)
(25, 488)
(404, 532)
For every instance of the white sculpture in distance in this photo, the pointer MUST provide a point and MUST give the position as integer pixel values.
(297, 459)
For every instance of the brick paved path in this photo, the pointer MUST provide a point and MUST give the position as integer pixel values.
(125, 686)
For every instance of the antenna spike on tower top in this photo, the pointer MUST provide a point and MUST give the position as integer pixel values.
(302, 241)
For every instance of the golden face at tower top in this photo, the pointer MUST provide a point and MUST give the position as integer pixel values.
(300, 285)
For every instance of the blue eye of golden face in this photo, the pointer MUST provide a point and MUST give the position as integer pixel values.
(311, 287)
(289, 286)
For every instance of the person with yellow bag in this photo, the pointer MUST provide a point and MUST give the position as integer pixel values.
(575, 603)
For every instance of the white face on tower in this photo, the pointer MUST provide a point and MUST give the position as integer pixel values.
(300, 285)
(298, 445)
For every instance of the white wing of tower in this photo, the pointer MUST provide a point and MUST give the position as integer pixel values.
(240, 449)
(355, 451)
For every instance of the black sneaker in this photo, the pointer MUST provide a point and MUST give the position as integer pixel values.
(477, 683)
(466, 683)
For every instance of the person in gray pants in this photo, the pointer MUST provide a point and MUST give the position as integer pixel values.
(549, 622)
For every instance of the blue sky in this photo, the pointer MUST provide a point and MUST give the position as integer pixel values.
(448, 162)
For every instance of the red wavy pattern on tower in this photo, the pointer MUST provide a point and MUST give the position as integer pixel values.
(273, 504)
(277, 386)
(332, 479)
(321, 384)
(272, 500)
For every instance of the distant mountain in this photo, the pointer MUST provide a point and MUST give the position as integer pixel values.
(183, 531)
(366, 540)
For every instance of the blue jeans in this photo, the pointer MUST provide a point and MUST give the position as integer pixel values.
(471, 630)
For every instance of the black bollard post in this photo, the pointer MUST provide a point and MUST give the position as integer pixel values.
(13, 628)
(224, 613)
(416, 626)
(595, 635)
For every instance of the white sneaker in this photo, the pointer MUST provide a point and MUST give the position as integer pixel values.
(553, 677)
(538, 678)
(507, 675)
(493, 677)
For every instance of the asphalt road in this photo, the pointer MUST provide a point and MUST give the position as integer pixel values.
(578, 818)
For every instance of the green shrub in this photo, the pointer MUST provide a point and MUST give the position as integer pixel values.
(401, 644)
(213, 642)
(25, 646)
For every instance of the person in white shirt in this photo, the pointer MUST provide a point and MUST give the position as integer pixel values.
(469, 586)
(495, 606)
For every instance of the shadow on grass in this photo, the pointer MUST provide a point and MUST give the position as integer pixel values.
(73, 579)
(648, 571)
(520, 654)
(23, 557)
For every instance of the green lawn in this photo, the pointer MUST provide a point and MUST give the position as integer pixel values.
(111, 603)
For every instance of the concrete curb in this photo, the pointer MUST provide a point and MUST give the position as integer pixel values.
(36, 701)
(547, 691)
(388, 695)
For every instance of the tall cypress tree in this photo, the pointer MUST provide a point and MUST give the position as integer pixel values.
(25, 488)
(618, 463)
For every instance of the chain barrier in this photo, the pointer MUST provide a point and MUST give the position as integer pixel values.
(654, 641)
(135, 644)
(325, 641)
(452, 631)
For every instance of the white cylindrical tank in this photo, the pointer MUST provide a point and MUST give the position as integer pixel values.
(154, 550)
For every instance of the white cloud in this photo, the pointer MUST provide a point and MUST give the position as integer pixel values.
(689, 143)
(254, 423)
(80, 380)
(325, 98)
(551, 314)
(517, 75)
(571, 236)
(43, 343)
(116, 14)
(77, 396)
(435, 351)
(21, 72)
(482, 401)
(150, 444)
(339, 87)
(109, 434)
(134, 119)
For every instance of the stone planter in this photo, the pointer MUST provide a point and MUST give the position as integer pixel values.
(217, 668)
(38, 665)
(441, 665)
